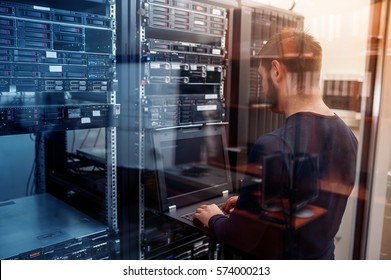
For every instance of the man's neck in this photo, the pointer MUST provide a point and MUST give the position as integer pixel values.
(306, 103)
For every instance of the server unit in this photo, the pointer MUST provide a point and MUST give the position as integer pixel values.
(183, 50)
(58, 85)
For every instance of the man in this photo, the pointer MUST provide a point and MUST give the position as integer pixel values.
(290, 65)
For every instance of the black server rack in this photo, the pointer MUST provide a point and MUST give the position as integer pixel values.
(58, 102)
(253, 27)
(173, 62)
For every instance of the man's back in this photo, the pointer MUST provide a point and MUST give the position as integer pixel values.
(335, 146)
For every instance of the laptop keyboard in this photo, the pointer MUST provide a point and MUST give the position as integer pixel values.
(189, 216)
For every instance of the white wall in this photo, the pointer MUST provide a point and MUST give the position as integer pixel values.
(342, 29)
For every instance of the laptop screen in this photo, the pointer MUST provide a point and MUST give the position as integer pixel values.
(191, 165)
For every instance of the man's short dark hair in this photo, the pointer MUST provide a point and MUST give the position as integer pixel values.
(296, 49)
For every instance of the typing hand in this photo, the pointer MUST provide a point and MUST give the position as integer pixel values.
(205, 212)
(230, 204)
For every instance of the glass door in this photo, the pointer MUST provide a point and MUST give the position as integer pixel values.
(379, 225)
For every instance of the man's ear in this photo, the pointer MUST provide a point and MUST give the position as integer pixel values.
(276, 71)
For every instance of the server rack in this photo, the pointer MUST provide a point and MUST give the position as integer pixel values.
(254, 25)
(173, 55)
(58, 102)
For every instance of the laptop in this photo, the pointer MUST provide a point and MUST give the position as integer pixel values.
(192, 169)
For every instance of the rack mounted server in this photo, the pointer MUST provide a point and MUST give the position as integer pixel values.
(51, 50)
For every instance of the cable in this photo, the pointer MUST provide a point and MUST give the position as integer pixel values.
(293, 6)
(85, 138)
(31, 181)
(73, 141)
(97, 137)
(29, 189)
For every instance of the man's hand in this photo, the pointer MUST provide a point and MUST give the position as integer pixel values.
(230, 204)
(205, 212)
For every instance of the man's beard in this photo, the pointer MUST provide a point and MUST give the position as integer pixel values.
(272, 95)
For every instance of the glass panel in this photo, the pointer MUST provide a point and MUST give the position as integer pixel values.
(196, 112)
(385, 247)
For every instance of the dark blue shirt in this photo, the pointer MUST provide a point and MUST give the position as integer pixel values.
(248, 229)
